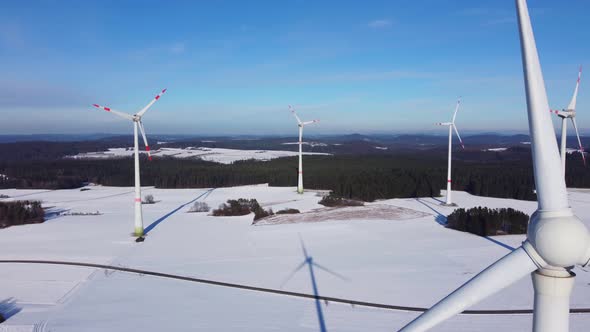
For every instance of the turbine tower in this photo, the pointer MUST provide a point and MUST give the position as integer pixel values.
(300, 169)
(556, 241)
(570, 113)
(452, 126)
(137, 123)
(311, 264)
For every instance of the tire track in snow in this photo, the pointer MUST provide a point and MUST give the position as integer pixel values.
(274, 291)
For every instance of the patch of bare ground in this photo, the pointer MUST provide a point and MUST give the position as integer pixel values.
(367, 212)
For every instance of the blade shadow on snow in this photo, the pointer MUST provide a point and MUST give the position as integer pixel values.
(309, 261)
(8, 308)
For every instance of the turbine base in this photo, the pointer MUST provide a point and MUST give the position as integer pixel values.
(449, 204)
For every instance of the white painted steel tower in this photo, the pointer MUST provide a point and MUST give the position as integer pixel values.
(452, 127)
(300, 124)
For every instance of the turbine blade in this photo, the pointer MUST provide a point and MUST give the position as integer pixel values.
(143, 110)
(309, 122)
(108, 109)
(581, 148)
(572, 105)
(456, 109)
(293, 273)
(147, 147)
(294, 114)
(499, 275)
(458, 136)
(330, 271)
(549, 180)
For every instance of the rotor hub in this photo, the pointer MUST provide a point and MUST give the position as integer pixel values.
(559, 238)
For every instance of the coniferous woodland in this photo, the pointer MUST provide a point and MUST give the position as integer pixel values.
(488, 222)
(364, 177)
(20, 213)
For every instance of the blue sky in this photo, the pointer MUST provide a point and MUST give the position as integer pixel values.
(232, 67)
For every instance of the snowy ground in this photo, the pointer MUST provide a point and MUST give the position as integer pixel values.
(407, 259)
(224, 156)
(495, 149)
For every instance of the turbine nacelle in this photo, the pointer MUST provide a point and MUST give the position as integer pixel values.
(565, 113)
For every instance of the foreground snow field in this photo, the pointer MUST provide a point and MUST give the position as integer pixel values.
(406, 259)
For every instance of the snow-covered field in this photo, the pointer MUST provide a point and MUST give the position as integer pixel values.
(404, 258)
(312, 144)
(224, 156)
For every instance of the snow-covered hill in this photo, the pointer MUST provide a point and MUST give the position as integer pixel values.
(403, 259)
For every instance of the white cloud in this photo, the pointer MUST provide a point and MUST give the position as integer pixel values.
(379, 24)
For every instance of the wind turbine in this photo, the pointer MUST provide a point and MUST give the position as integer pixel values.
(301, 125)
(311, 264)
(451, 127)
(570, 113)
(136, 118)
(556, 241)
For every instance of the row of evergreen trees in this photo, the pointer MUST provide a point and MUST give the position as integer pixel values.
(363, 177)
(484, 221)
(20, 213)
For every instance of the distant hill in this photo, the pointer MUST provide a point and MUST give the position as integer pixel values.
(32, 146)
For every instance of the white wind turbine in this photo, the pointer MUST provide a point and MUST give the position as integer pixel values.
(570, 113)
(136, 118)
(451, 127)
(300, 169)
(556, 241)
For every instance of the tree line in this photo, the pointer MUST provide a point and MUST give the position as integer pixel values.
(20, 213)
(484, 221)
(361, 177)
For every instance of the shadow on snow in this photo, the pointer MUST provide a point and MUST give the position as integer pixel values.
(157, 222)
(441, 219)
(8, 308)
